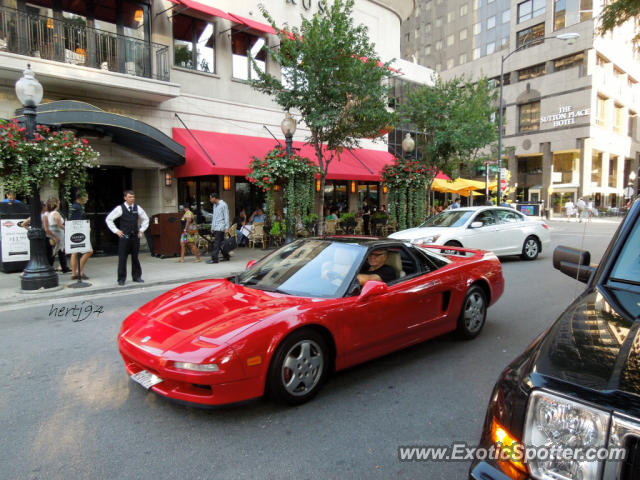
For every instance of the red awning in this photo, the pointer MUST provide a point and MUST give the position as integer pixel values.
(442, 176)
(261, 27)
(233, 153)
(214, 12)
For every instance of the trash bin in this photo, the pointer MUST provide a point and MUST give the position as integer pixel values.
(165, 231)
(14, 245)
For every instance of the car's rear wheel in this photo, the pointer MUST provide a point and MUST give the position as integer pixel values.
(473, 314)
(452, 243)
(530, 249)
(298, 368)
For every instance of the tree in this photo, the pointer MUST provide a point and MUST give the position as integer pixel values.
(333, 78)
(617, 13)
(453, 121)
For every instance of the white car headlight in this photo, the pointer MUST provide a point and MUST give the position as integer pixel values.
(198, 367)
(425, 240)
(568, 432)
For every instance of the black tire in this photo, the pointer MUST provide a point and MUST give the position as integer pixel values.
(452, 243)
(473, 313)
(305, 351)
(530, 248)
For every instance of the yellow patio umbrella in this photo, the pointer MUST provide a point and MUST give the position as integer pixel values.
(456, 186)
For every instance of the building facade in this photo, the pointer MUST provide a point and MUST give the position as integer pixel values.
(159, 88)
(570, 109)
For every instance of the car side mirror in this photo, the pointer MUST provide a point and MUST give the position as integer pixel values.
(250, 264)
(476, 225)
(573, 262)
(372, 288)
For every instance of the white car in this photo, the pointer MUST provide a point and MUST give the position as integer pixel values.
(504, 231)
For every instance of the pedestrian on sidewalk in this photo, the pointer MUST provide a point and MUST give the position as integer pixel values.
(582, 209)
(188, 234)
(53, 225)
(219, 226)
(77, 213)
(129, 234)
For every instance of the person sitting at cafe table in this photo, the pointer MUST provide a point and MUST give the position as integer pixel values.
(258, 216)
(375, 268)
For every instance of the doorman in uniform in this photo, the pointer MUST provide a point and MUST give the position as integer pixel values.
(129, 214)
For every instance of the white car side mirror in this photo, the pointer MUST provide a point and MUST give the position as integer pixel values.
(476, 225)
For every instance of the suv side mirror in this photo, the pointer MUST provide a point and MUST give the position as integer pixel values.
(573, 262)
(372, 289)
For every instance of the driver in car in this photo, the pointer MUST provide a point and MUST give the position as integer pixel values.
(376, 269)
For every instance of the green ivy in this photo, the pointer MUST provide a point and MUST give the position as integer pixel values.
(58, 156)
(407, 182)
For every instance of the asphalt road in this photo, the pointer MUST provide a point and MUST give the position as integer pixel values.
(68, 409)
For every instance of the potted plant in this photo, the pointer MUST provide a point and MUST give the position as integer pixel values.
(310, 223)
(348, 221)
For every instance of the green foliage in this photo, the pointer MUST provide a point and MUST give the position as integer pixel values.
(56, 156)
(332, 77)
(294, 173)
(617, 13)
(410, 177)
(348, 219)
(277, 229)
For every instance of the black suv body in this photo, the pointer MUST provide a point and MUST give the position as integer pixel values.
(578, 384)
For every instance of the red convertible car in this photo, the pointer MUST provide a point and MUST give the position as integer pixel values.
(282, 326)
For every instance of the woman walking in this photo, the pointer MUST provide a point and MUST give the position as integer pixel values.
(188, 234)
(53, 224)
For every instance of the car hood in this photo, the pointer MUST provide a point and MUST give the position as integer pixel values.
(421, 232)
(210, 311)
(593, 345)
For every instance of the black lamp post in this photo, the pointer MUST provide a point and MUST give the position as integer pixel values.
(288, 127)
(38, 273)
(570, 38)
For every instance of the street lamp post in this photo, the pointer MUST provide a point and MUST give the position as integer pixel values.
(288, 127)
(38, 273)
(570, 38)
(632, 183)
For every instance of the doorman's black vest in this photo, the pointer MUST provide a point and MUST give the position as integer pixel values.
(129, 220)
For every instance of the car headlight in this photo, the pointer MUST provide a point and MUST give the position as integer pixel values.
(426, 240)
(198, 367)
(561, 437)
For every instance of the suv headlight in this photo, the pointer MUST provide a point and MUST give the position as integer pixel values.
(562, 436)
(425, 240)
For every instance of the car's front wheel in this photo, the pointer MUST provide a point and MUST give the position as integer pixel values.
(298, 368)
(473, 314)
(530, 249)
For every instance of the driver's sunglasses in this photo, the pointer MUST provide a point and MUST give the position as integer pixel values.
(376, 254)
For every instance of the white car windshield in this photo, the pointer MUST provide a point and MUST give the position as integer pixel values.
(449, 218)
(307, 268)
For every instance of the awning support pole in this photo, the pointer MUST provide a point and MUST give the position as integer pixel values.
(363, 164)
(194, 137)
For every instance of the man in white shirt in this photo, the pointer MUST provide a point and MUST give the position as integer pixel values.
(581, 208)
(129, 235)
(570, 209)
(219, 227)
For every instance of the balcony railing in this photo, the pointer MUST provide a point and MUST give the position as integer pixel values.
(77, 44)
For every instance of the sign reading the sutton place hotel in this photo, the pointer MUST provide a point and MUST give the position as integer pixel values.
(307, 4)
(566, 116)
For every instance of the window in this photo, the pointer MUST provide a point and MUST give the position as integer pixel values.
(491, 22)
(450, 40)
(529, 117)
(570, 12)
(596, 168)
(601, 111)
(530, 9)
(613, 171)
(450, 63)
(477, 28)
(569, 61)
(193, 44)
(505, 216)
(531, 72)
(427, 28)
(632, 124)
(243, 43)
(439, 45)
(463, 34)
(427, 50)
(563, 166)
(438, 67)
(491, 47)
(506, 16)
(476, 53)
(477, 4)
(504, 41)
(490, 1)
(463, 10)
(450, 17)
(618, 125)
(463, 59)
(529, 35)
(439, 22)
(601, 61)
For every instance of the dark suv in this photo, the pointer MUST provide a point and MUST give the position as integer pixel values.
(569, 406)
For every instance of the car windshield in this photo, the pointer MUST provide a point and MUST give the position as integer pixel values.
(449, 218)
(627, 266)
(306, 268)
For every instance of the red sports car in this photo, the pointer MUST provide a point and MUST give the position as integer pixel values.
(310, 307)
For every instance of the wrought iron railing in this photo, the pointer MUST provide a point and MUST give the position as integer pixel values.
(78, 44)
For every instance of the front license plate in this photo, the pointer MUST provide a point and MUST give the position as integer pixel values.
(146, 379)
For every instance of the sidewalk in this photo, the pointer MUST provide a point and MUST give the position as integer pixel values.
(155, 271)
(610, 220)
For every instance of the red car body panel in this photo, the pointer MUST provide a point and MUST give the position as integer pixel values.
(240, 328)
